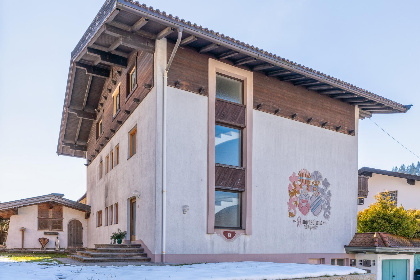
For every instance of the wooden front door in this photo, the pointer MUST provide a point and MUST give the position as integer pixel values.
(132, 219)
(75, 234)
(394, 270)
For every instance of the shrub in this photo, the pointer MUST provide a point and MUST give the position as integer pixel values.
(385, 216)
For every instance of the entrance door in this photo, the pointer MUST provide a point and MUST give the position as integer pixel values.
(394, 270)
(132, 219)
(75, 234)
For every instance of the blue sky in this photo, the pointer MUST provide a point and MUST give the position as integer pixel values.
(372, 44)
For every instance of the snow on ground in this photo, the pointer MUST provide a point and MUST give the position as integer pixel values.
(214, 271)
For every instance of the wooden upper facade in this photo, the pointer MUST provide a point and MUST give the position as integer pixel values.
(123, 35)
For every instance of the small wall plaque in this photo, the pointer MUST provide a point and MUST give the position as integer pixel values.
(50, 233)
(229, 234)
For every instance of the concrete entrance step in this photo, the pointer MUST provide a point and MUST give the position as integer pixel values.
(94, 260)
(112, 253)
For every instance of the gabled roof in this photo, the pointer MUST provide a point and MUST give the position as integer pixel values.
(367, 171)
(382, 242)
(10, 208)
(122, 26)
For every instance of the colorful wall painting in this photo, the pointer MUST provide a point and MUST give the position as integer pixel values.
(309, 199)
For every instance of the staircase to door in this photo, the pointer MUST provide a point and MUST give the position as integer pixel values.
(112, 253)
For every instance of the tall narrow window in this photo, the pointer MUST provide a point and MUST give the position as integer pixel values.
(111, 214)
(100, 169)
(99, 218)
(116, 213)
(107, 165)
(132, 80)
(230, 151)
(112, 159)
(117, 155)
(106, 216)
(133, 136)
(116, 101)
(99, 129)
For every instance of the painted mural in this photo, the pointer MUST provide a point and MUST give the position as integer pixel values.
(309, 199)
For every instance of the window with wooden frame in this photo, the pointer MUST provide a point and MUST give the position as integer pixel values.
(230, 148)
(132, 80)
(132, 142)
(99, 218)
(117, 155)
(50, 217)
(112, 159)
(101, 166)
(116, 213)
(99, 129)
(107, 164)
(111, 214)
(106, 216)
(116, 101)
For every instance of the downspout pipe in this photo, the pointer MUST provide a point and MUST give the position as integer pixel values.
(165, 86)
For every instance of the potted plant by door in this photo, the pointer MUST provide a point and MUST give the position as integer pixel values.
(118, 236)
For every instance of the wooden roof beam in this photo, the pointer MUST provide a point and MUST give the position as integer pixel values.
(292, 78)
(94, 71)
(165, 32)
(245, 60)
(228, 54)
(343, 96)
(262, 67)
(208, 48)
(320, 87)
(278, 73)
(332, 91)
(306, 83)
(188, 40)
(373, 106)
(139, 24)
(98, 47)
(116, 44)
(108, 58)
(82, 114)
(76, 147)
(130, 39)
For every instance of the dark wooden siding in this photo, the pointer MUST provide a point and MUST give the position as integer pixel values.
(128, 102)
(50, 216)
(189, 71)
(230, 178)
(363, 186)
(230, 113)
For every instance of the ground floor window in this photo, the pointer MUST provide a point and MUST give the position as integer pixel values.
(227, 209)
(339, 262)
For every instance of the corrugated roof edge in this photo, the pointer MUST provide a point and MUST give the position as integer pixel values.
(367, 170)
(110, 5)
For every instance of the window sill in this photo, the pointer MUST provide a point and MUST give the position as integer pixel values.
(236, 230)
(131, 93)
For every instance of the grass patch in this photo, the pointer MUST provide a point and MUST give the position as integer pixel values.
(36, 258)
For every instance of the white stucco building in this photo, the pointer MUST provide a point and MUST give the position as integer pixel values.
(50, 217)
(204, 148)
(403, 188)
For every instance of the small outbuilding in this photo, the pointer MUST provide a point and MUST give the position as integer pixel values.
(386, 255)
(38, 222)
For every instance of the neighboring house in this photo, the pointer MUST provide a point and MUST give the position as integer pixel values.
(386, 255)
(204, 148)
(403, 188)
(48, 216)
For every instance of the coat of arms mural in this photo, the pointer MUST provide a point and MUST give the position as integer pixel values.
(309, 199)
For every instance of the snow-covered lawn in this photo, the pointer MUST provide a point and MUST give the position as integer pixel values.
(219, 271)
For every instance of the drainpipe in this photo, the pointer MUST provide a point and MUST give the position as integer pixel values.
(165, 85)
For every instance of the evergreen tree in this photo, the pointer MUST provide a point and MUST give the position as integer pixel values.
(402, 168)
